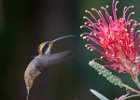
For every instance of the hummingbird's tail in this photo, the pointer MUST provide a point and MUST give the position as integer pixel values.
(27, 92)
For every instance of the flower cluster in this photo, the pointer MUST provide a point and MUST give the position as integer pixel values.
(117, 37)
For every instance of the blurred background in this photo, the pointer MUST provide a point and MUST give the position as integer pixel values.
(24, 24)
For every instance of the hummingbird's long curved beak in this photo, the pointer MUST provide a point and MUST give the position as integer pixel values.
(63, 37)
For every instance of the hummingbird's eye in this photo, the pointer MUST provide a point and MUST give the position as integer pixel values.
(45, 47)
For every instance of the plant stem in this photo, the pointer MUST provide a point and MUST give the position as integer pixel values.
(135, 95)
(132, 89)
(137, 82)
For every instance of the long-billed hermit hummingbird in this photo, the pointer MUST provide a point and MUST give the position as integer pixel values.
(44, 59)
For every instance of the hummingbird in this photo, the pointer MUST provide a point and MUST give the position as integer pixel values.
(43, 60)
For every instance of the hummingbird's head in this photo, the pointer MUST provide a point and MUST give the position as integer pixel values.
(45, 47)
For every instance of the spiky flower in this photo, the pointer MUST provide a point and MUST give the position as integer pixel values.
(117, 37)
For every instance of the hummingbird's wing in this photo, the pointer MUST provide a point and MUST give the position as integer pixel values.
(53, 59)
(58, 57)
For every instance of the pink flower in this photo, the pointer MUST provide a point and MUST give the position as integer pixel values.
(117, 37)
